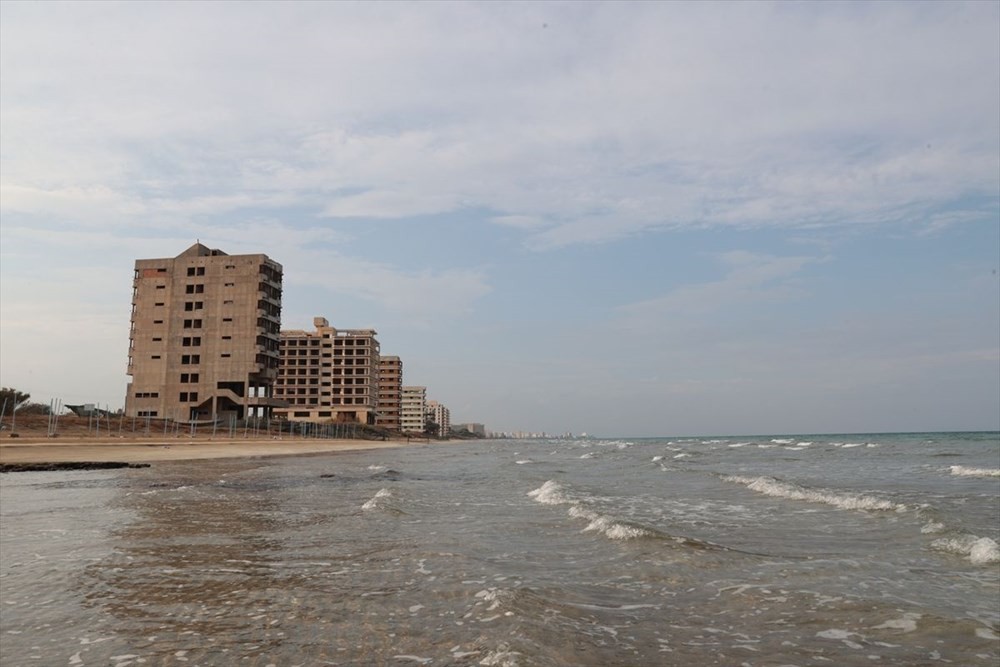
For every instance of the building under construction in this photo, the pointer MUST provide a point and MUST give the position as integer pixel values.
(204, 339)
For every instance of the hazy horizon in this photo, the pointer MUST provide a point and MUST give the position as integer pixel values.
(596, 217)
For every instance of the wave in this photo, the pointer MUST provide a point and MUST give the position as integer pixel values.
(383, 500)
(614, 528)
(554, 493)
(979, 550)
(770, 486)
(550, 493)
(964, 471)
(609, 526)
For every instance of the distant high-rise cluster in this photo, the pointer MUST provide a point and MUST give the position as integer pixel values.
(206, 345)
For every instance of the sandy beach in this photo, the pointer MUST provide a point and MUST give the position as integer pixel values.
(75, 444)
(147, 451)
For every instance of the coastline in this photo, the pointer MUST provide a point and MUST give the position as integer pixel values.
(152, 450)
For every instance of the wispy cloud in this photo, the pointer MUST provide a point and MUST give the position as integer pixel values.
(608, 121)
(750, 280)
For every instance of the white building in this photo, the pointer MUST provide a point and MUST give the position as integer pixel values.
(440, 415)
(413, 410)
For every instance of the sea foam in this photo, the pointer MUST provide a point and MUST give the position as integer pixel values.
(770, 486)
(550, 493)
(553, 493)
(975, 472)
(979, 550)
(378, 501)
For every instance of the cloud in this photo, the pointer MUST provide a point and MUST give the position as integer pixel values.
(615, 120)
(389, 204)
(751, 280)
(518, 221)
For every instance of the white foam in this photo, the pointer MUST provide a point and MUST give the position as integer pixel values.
(378, 500)
(550, 493)
(975, 472)
(781, 441)
(501, 657)
(980, 550)
(615, 530)
(524, 461)
(657, 458)
(908, 623)
(932, 527)
(414, 658)
(851, 501)
(578, 512)
(834, 634)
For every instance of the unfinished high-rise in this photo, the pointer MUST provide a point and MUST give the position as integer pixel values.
(204, 338)
(390, 392)
(413, 410)
(328, 375)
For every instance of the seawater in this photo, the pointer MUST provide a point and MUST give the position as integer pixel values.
(779, 550)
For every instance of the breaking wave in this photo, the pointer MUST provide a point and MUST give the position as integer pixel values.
(770, 486)
(975, 472)
(381, 500)
(979, 550)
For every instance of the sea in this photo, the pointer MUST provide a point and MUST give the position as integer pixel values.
(830, 550)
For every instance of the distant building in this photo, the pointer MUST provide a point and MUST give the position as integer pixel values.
(413, 410)
(475, 429)
(440, 415)
(203, 342)
(390, 392)
(328, 374)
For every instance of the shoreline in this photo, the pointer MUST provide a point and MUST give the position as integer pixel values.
(20, 451)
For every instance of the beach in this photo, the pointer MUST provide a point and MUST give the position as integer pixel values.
(28, 450)
(77, 442)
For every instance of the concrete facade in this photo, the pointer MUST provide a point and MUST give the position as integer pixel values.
(390, 392)
(328, 375)
(203, 342)
(413, 410)
(440, 415)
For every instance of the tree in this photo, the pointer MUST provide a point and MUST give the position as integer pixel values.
(12, 399)
(431, 428)
(28, 408)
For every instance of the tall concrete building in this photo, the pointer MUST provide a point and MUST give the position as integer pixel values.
(440, 415)
(413, 410)
(204, 337)
(390, 392)
(328, 374)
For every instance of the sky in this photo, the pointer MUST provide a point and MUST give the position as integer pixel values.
(625, 219)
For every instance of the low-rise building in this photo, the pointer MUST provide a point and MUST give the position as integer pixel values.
(471, 427)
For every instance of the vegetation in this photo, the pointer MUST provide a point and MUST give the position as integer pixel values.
(12, 399)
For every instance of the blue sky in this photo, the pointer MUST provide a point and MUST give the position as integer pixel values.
(619, 218)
